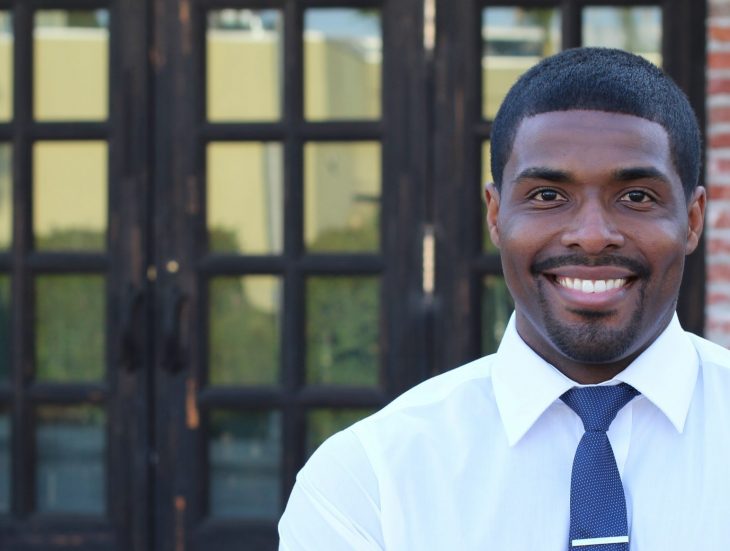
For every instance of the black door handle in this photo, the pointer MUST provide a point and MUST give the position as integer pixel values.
(172, 356)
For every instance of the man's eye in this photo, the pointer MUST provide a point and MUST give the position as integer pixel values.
(547, 195)
(637, 196)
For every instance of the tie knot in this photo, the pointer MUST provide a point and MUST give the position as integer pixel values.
(597, 406)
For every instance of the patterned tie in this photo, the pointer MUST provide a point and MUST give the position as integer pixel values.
(597, 503)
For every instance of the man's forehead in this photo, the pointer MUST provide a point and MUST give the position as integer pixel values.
(590, 140)
(618, 134)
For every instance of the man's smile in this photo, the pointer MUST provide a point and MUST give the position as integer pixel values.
(590, 285)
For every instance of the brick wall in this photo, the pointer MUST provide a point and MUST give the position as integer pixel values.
(717, 224)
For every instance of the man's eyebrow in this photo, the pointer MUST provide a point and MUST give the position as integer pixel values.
(640, 173)
(544, 173)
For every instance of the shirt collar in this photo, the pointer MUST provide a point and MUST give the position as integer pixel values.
(525, 385)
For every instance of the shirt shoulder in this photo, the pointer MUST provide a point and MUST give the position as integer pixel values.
(440, 412)
(711, 353)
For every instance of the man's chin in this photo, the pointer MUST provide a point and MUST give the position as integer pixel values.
(591, 343)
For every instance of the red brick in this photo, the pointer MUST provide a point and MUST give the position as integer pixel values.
(721, 34)
(718, 60)
(718, 86)
(718, 246)
(718, 272)
(719, 114)
(722, 221)
(718, 191)
(722, 165)
(720, 140)
(717, 298)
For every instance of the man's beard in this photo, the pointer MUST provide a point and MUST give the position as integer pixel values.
(590, 341)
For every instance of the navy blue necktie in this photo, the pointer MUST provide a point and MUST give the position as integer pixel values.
(597, 502)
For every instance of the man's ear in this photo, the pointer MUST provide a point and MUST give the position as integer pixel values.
(695, 218)
(491, 196)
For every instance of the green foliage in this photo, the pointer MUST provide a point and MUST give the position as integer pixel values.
(244, 343)
(342, 330)
(70, 315)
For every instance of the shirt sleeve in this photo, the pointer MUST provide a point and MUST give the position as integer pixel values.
(335, 502)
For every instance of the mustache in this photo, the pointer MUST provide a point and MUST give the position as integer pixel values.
(639, 269)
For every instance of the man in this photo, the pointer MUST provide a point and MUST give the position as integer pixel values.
(599, 425)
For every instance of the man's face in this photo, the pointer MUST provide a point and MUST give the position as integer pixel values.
(593, 226)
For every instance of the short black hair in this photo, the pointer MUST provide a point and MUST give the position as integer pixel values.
(601, 79)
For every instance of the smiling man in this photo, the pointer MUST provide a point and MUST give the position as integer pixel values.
(599, 424)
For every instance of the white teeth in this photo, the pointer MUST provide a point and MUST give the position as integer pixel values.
(591, 285)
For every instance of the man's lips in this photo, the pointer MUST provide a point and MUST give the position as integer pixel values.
(597, 280)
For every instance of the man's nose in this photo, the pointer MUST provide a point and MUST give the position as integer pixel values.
(593, 229)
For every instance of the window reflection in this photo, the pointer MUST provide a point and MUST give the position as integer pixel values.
(634, 29)
(71, 65)
(342, 186)
(245, 320)
(244, 65)
(342, 332)
(70, 195)
(6, 196)
(343, 54)
(244, 454)
(514, 39)
(6, 66)
(70, 314)
(71, 444)
(245, 197)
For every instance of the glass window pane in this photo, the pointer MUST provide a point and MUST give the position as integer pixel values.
(514, 39)
(244, 453)
(70, 195)
(70, 314)
(244, 46)
(6, 196)
(343, 55)
(342, 186)
(4, 327)
(342, 332)
(4, 460)
(245, 330)
(71, 65)
(245, 197)
(635, 29)
(497, 307)
(71, 446)
(323, 423)
(6, 67)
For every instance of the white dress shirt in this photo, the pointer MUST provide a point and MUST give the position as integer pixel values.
(480, 458)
